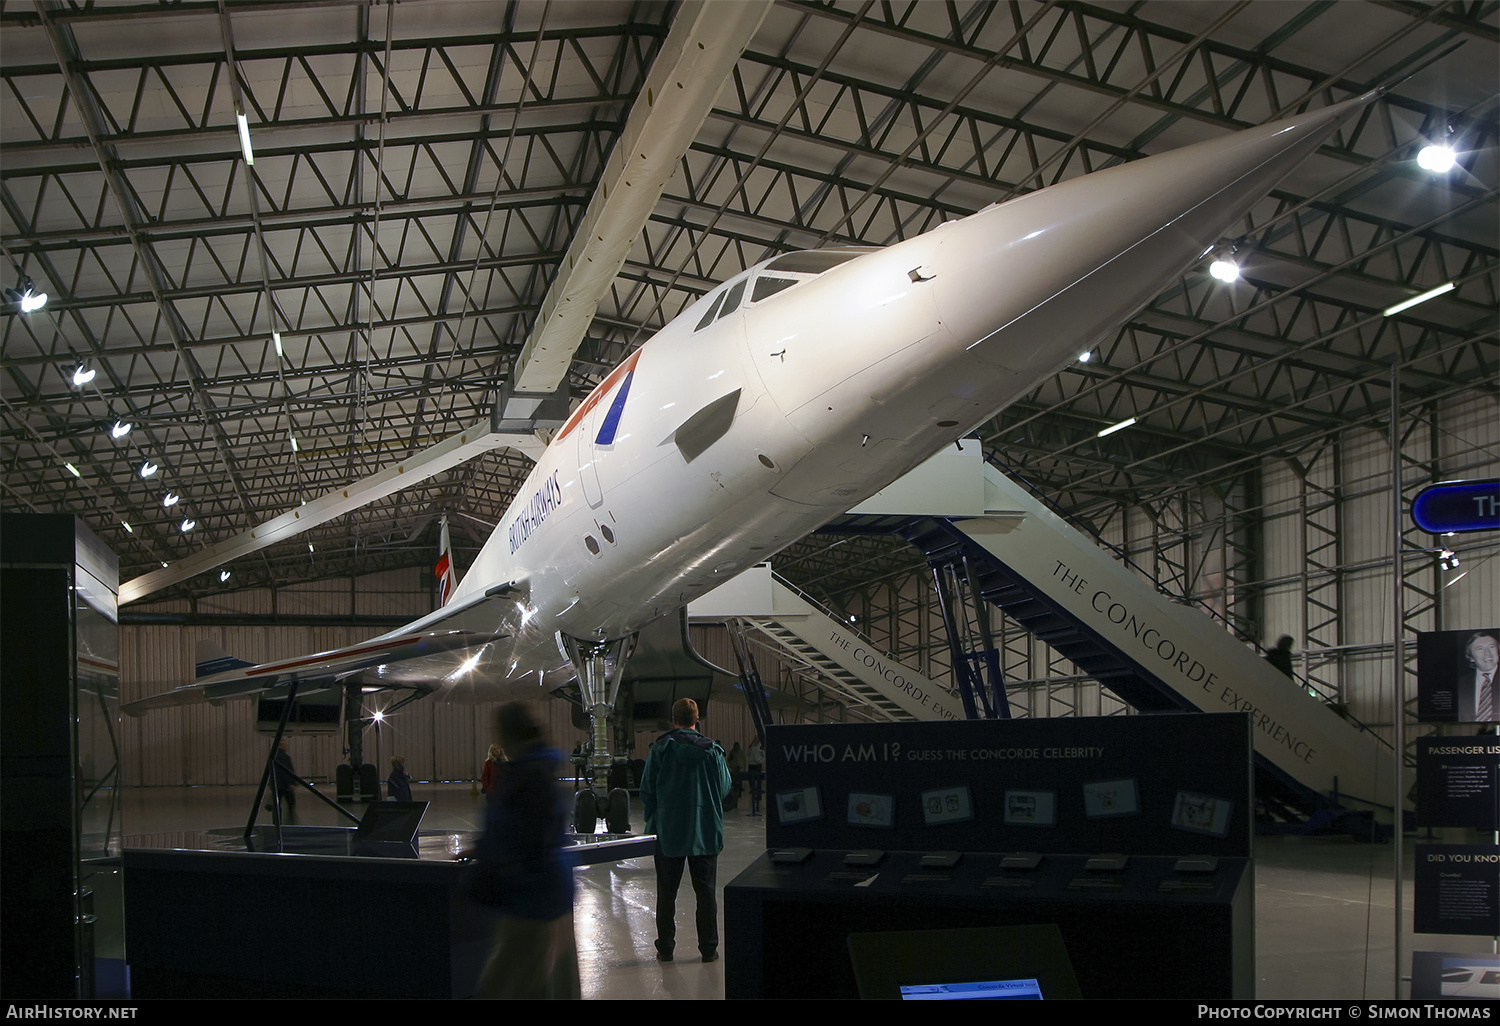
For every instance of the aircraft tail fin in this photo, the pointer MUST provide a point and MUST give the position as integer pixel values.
(444, 570)
(209, 659)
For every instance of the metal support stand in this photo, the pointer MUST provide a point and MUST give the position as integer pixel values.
(266, 776)
(976, 662)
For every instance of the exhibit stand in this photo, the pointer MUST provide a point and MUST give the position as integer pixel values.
(59, 749)
(1130, 837)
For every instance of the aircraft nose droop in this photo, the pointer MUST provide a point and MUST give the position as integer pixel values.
(1025, 286)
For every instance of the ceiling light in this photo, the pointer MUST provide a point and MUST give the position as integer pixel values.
(294, 443)
(379, 716)
(1224, 270)
(32, 301)
(245, 138)
(188, 525)
(1424, 297)
(120, 430)
(1448, 560)
(1085, 356)
(148, 468)
(75, 470)
(126, 524)
(1116, 427)
(1437, 157)
(309, 547)
(170, 499)
(276, 339)
(164, 566)
(224, 575)
(83, 375)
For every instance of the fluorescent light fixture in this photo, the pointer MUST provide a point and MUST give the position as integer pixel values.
(187, 525)
(1391, 311)
(126, 524)
(309, 547)
(83, 375)
(32, 301)
(1437, 157)
(75, 470)
(170, 499)
(1116, 427)
(224, 575)
(1224, 270)
(276, 339)
(120, 430)
(294, 443)
(245, 138)
(148, 468)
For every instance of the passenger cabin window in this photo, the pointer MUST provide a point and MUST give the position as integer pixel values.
(708, 318)
(766, 287)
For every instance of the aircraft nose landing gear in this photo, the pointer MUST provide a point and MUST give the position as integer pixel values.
(600, 665)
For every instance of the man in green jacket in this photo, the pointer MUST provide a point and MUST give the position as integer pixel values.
(683, 790)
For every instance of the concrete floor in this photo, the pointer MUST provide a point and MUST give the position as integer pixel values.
(1324, 906)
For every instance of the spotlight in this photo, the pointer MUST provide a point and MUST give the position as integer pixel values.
(170, 499)
(83, 375)
(1085, 356)
(120, 430)
(25, 296)
(1224, 270)
(1448, 560)
(188, 525)
(148, 468)
(1437, 158)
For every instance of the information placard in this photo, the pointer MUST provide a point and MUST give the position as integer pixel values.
(1458, 782)
(1458, 889)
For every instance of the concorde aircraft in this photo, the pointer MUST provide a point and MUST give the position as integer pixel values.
(783, 397)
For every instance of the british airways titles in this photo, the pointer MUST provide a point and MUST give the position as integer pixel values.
(547, 498)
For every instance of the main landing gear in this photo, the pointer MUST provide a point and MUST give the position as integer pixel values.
(600, 666)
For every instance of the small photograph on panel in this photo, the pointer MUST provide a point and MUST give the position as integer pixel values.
(947, 805)
(871, 810)
(1201, 813)
(799, 806)
(1458, 676)
(1031, 808)
(1111, 798)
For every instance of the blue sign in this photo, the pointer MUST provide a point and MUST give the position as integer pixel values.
(1460, 506)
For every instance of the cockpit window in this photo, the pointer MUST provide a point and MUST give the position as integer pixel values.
(816, 261)
(732, 298)
(708, 318)
(766, 286)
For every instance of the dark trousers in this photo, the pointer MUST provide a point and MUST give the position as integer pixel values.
(704, 871)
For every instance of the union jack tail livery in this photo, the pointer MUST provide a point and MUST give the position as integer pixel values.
(443, 569)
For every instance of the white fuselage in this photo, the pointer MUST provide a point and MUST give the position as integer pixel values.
(846, 379)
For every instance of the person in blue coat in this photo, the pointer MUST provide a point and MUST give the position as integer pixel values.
(683, 791)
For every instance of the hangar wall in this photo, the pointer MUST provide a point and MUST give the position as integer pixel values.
(208, 745)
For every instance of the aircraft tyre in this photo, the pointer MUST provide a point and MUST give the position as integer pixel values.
(585, 812)
(617, 818)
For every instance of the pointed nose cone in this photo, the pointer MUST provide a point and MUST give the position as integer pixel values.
(1033, 282)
